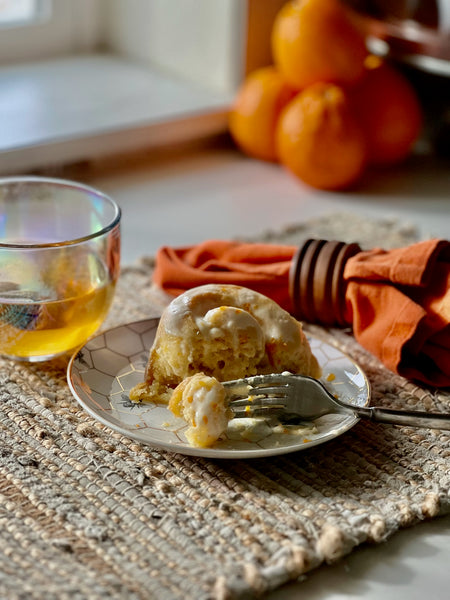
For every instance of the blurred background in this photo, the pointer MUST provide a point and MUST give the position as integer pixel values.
(415, 34)
(82, 79)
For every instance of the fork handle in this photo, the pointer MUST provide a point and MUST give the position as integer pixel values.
(403, 417)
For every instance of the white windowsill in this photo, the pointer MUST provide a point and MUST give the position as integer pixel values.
(78, 108)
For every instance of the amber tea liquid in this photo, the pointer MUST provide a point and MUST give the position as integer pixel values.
(71, 304)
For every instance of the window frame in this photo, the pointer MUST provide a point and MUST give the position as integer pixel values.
(66, 27)
(40, 8)
(48, 137)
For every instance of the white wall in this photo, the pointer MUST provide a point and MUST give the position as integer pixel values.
(74, 26)
(199, 40)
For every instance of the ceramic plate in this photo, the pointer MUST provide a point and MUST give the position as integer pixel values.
(101, 374)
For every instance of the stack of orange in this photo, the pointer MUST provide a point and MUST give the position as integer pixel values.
(326, 109)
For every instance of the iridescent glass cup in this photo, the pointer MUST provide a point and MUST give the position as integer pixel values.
(59, 263)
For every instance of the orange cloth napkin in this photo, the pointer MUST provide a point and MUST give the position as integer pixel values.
(261, 267)
(399, 307)
(397, 301)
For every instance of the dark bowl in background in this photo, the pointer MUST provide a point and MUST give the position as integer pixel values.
(415, 35)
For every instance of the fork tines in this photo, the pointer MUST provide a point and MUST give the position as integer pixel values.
(258, 401)
(275, 390)
(258, 395)
(258, 389)
(248, 410)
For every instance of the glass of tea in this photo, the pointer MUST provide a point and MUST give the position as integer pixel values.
(59, 263)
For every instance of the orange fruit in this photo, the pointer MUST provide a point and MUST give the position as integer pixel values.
(316, 41)
(319, 140)
(255, 112)
(389, 111)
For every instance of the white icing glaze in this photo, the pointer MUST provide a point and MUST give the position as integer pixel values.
(228, 322)
(275, 323)
(203, 409)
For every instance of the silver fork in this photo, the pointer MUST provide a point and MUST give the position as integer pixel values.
(296, 398)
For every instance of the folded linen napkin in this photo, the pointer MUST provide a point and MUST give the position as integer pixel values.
(261, 267)
(396, 301)
(399, 308)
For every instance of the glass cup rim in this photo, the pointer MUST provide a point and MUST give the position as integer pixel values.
(64, 183)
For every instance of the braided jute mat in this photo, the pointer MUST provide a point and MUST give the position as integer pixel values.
(88, 513)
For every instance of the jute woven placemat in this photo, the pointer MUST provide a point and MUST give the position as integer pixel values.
(88, 513)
